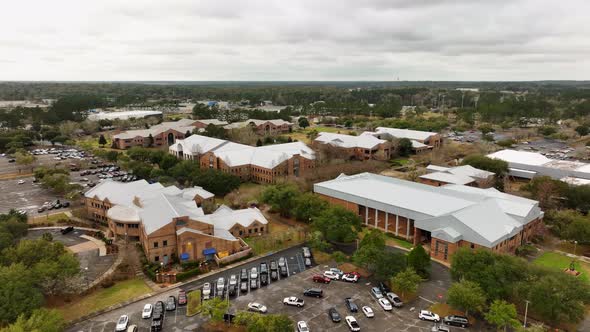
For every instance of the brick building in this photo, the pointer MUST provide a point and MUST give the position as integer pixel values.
(363, 147)
(263, 164)
(263, 127)
(163, 134)
(440, 218)
(168, 221)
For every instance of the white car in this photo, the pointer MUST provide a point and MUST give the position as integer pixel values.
(206, 291)
(295, 301)
(353, 325)
(233, 280)
(147, 311)
(427, 315)
(122, 323)
(350, 278)
(21, 181)
(302, 326)
(337, 271)
(385, 304)
(368, 311)
(332, 275)
(257, 307)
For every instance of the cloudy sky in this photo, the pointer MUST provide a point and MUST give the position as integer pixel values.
(295, 40)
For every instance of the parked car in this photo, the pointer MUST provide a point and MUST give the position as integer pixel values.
(351, 305)
(384, 288)
(337, 271)
(315, 292)
(350, 278)
(456, 320)
(206, 291)
(368, 311)
(21, 182)
(294, 301)
(263, 279)
(132, 328)
(41, 209)
(244, 286)
(65, 204)
(274, 275)
(158, 317)
(376, 293)
(67, 230)
(233, 280)
(182, 297)
(284, 271)
(321, 278)
(244, 275)
(308, 262)
(439, 328)
(274, 266)
(306, 252)
(394, 299)
(253, 283)
(353, 325)
(11, 160)
(332, 275)
(220, 286)
(171, 303)
(122, 323)
(334, 315)
(257, 307)
(385, 304)
(302, 326)
(147, 311)
(263, 268)
(427, 315)
(282, 262)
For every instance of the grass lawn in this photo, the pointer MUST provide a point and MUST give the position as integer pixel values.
(390, 240)
(193, 305)
(559, 262)
(280, 236)
(51, 218)
(103, 298)
(301, 134)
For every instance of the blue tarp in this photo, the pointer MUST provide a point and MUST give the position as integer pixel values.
(184, 256)
(209, 251)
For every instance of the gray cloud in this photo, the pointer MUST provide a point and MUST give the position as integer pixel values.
(295, 40)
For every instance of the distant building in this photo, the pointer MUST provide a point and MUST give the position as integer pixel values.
(363, 147)
(263, 164)
(420, 139)
(124, 115)
(443, 218)
(168, 221)
(464, 175)
(527, 165)
(163, 134)
(263, 127)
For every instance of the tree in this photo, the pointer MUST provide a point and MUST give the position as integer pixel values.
(497, 166)
(19, 292)
(281, 198)
(308, 206)
(546, 190)
(419, 260)
(41, 320)
(578, 197)
(390, 264)
(312, 134)
(102, 141)
(579, 230)
(406, 282)
(214, 131)
(168, 161)
(582, 130)
(502, 314)
(486, 129)
(547, 130)
(214, 308)
(303, 122)
(24, 158)
(259, 142)
(370, 250)
(338, 224)
(404, 147)
(150, 140)
(466, 295)
(256, 322)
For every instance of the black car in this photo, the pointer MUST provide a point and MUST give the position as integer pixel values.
(384, 288)
(315, 292)
(456, 320)
(244, 275)
(232, 289)
(65, 204)
(334, 315)
(253, 283)
(351, 305)
(274, 275)
(158, 316)
(228, 318)
(263, 279)
(244, 287)
(171, 303)
(284, 272)
(11, 160)
(67, 230)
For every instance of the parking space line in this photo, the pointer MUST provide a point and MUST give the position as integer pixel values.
(287, 265)
(301, 262)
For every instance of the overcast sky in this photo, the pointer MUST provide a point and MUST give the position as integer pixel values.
(295, 40)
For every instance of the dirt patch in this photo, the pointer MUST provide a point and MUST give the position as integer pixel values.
(222, 327)
(349, 267)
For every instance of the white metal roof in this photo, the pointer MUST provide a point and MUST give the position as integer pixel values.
(124, 115)
(520, 157)
(405, 133)
(226, 218)
(448, 178)
(349, 141)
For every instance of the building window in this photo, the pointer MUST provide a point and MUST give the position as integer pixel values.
(164, 243)
(436, 247)
(120, 225)
(211, 161)
(241, 232)
(261, 229)
(446, 251)
(255, 230)
(472, 246)
(157, 258)
(155, 244)
(249, 231)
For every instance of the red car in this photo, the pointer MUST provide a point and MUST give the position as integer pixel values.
(320, 278)
(181, 297)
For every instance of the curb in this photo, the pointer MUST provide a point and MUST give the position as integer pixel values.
(172, 287)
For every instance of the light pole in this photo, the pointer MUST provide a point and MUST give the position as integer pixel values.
(526, 311)
(575, 247)
(86, 276)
